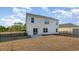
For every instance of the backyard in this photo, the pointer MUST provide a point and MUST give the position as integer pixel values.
(41, 43)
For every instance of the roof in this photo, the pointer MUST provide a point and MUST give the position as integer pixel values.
(67, 25)
(42, 16)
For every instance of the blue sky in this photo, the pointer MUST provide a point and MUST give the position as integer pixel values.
(10, 15)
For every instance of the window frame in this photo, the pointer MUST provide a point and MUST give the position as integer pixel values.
(56, 29)
(32, 19)
(46, 21)
(45, 30)
(56, 23)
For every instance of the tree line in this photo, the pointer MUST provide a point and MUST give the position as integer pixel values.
(13, 28)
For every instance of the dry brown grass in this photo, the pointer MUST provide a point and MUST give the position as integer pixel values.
(42, 43)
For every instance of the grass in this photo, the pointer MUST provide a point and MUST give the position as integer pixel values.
(42, 43)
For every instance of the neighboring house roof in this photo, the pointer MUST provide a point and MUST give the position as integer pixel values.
(67, 25)
(42, 16)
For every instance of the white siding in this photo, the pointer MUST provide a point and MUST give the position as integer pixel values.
(39, 22)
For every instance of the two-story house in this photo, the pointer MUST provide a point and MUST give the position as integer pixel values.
(41, 25)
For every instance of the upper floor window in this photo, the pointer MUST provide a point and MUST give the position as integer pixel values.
(46, 21)
(32, 20)
(56, 23)
(45, 30)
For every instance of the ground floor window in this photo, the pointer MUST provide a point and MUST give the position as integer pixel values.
(45, 30)
(56, 30)
(35, 31)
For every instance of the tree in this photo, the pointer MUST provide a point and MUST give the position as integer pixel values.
(24, 27)
(17, 27)
(2, 28)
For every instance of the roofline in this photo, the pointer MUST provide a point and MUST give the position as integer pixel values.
(61, 25)
(68, 27)
(42, 16)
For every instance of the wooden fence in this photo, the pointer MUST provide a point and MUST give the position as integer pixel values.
(4, 36)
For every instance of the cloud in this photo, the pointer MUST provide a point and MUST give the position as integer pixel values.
(62, 12)
(16, 10)
(20, 12)
(10, 20)
(75, 11)
(21, 9)
(27, 8)
(59, 13)
(45, 8)
(67, 13)
(19, 15)
(65, 16)
(77, 17)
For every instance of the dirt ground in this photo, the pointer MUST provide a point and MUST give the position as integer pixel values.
(42, 43)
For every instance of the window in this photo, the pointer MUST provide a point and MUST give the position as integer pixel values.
(56, 30)
(32, 20)
(56, 23)
(35, 31)
(46, 21)
(45, 30)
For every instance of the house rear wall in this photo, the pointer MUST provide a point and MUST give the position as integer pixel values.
(39, 22)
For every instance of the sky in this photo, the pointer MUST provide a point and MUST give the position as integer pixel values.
(11, 15)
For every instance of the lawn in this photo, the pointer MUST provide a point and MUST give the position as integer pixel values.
(42, 43)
